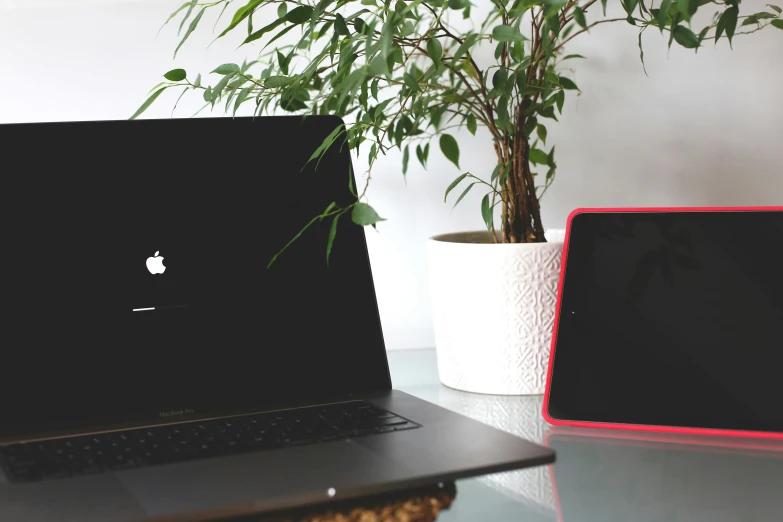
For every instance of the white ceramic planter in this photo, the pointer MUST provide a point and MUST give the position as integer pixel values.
(493, 307)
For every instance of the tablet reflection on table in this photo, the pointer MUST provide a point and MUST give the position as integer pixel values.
(608, 476)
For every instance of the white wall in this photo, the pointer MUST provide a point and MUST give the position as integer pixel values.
(703, 129)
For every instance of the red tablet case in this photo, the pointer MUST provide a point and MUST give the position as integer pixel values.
(638, 427)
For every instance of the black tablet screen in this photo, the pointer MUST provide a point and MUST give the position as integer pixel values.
(672, 319)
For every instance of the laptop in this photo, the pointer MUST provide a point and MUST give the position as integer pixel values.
(155, 365)
(670, 320)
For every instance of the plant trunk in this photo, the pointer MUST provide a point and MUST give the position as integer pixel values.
(521, 220)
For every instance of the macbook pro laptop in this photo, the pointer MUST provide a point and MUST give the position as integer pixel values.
(154, 365)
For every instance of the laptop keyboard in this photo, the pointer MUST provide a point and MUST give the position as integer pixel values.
(82, 455)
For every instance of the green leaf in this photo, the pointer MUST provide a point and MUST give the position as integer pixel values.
(218, 88)
(197, 82)
(499, 48)
(374, 89)
(554, 24)
(518, 51)
(176, 75)
(579, 17)
(464, 193)
(571, 56)
(363, 214)
(241, 14)
(560, 100)
(243, 94)
(568, 83)
(405, 159)
(340, 26)
(538, 157)
(274, 82)
(191, 5)
(727, 23)
(777, 23)
(530, 125)
(421, 156)
(283, 62)
(410, 81)
(775, 8)
(754, 19)
(486, 212)
(686, 37)
(327, 142)
(450, 148)
(550, 158)
(506, 33)
(387, 35)
(454, 185)
(502, 117)
(332, 235)
(687, 8)
(549, 112)
(496, 171)
(410, 7)
(471, 123)
(148, 102)
(435, 50)
(675, 21)
(227, 68)
(641, 51)
(553, 6)
(702, 34)
(377, 67)
(459, 4)
(261, 32)
(663, 14)
(499, 79)
(731, 22)
(603, 4)
(282, 9)
(541, 130)
(191, 28)
(299, 15)
(466, 44)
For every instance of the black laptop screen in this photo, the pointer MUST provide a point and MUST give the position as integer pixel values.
(673, 319)
(134, 272)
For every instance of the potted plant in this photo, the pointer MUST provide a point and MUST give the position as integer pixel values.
(403, 74)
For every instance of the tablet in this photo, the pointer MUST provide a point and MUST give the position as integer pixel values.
(670, 320)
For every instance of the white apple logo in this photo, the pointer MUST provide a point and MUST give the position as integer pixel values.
(155, 264)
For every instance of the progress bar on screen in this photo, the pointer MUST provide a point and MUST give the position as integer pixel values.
(160, 308)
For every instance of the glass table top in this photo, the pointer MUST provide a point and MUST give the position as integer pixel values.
(603, 475)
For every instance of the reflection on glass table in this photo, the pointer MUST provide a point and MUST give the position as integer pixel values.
(415, 372)
(604, 475)
(607, 476)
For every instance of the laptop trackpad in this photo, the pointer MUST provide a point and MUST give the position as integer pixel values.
(262, 480)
